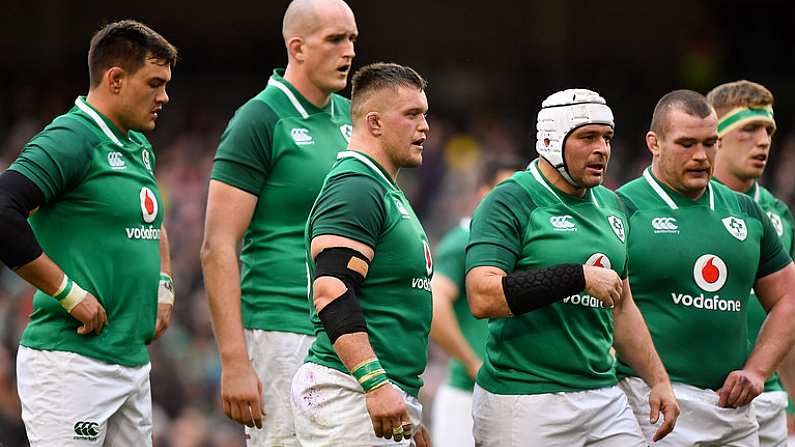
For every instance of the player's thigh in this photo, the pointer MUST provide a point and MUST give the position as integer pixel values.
(612, 421)
(275, 356)
(132, 423)
(329, 410)
(452, 418)
(67, 399)
(770, 409)
(526, 420)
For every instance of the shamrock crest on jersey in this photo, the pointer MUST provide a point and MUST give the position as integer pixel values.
(736, 227)
(617, 225)
(775, 219)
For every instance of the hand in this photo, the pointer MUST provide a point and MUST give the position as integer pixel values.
(473, 368)
(740, 388)
(241, 394)
(163, 319)
(662, 399)
(423, 437)
(603, 284)
(388, 412)
(91, 314)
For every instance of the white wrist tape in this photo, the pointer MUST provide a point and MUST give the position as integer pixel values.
(165, 292)
(69, 294)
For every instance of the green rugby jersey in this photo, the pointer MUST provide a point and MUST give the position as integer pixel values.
(279, 147)
(101, 225)
(450, 261)
(361, 202)
(692, 265)
(526, 223)
(781, 218)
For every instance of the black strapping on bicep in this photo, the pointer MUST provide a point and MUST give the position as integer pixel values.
(18, 196)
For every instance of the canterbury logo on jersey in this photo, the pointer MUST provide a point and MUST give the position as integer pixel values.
(116, 160)
(665, 225)
(778, 225)
(563, 223)
(87, 430)
(301, 136)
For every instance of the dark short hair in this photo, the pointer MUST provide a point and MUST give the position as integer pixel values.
(726, 97)
(494, 164)
(381, 75)
(126, 44)
(687, 101)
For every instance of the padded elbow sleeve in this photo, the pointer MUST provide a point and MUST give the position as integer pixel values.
(528, 290)
(18, 195)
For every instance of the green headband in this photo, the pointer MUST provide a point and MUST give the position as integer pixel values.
(741, 115)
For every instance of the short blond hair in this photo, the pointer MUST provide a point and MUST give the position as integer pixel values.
(727, 97)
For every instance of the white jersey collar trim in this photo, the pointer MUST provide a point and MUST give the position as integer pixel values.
(289, 94)
(537, 175)
(667, 198)
(366, 161)
(97, 119)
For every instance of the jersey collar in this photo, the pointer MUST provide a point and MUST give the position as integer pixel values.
(539, 177)
(301, 104)
(754, 192)
(370, 163)
(672, 198)
(108, 128)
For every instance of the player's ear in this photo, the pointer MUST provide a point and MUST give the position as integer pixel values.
(653, 143)
(374, 124)
(295, 48)
(115, 77)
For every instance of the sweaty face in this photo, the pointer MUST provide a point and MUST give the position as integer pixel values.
(587, 153)
(405, 126)
(745, 149)
(143, 95)
(328, 50)
(686, 152)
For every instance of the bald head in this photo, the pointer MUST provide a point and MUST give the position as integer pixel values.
(304, 17)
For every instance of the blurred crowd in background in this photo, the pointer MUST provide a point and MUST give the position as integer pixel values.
(488, 68)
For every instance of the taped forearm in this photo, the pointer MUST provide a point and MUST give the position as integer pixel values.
(528, 290)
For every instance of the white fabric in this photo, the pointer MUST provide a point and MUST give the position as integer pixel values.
(330, 410)
(561, 113)
(701, 421)
(72, 400)
(452, 418)
(275, 356)
(594, 418)
(771, 414)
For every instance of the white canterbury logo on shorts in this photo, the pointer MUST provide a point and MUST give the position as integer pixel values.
(563, 223)
(664, 225)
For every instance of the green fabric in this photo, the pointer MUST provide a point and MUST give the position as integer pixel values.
(271, 150)
(101, 225)
(450, 261)
(359, 201)
(781, 218)
(686, 303)
(564, 346)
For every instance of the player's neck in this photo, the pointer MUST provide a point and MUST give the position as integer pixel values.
(318, 97)
(556, 178)
(732, 180)
(374, 150)
(693, 195)
(104, 105)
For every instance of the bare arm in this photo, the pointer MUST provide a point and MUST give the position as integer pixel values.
(229, 212)
(484, 293)
(633, 342)
(444, 327)
(163, 309)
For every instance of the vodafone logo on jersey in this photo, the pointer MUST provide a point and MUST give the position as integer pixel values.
(149, 205)
(428, 259)
(599, 260)
(710, 273)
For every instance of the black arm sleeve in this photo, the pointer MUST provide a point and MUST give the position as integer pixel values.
(18, 195)
(528, 290)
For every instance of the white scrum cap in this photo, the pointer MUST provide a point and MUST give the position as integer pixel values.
(560, 114)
